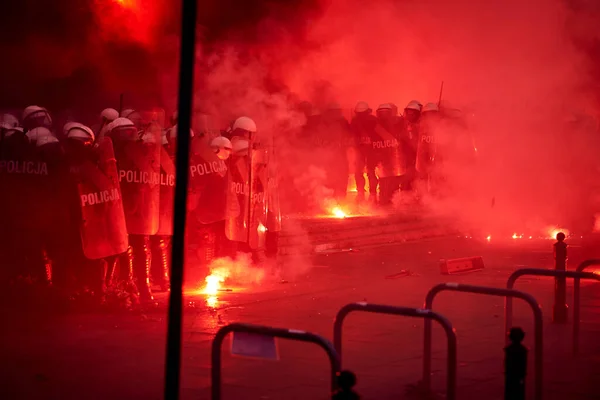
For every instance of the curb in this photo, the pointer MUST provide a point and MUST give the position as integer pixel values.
(323, 238)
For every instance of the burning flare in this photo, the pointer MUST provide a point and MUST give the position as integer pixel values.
(213, 284)
(337, 212)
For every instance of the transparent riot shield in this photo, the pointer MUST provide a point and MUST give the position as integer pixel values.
(248, 182)
(426, 150)
(387, 144)
(138, 165)
(167, 193)
(103, 228)
(208, 185)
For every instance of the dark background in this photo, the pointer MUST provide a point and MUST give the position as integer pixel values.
(59, 54)
(80, 54)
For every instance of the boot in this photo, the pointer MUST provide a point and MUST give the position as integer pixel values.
(99, 271)
(126, 273)
(142, 259)
(160, 262)
(110, 265)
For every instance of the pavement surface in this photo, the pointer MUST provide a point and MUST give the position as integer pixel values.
(121, 356)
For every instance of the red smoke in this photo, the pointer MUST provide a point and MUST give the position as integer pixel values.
(130, 20)
(512, 67)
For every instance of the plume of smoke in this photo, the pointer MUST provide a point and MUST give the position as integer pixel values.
(238, 271)
(511, 67)
(516, 74)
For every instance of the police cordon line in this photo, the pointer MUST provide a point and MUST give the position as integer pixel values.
(111, 190)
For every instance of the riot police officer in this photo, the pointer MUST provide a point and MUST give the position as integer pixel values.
(336, 136)
(14, 152)
(138, 164)
(363, 129)
(107, 116)
(160, 243)
(426, 148)
(409, 136)
(388, 152)
(98, 231)
(247, 190)
(206, 203)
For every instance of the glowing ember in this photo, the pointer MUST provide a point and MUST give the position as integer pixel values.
(212, 301)
(337, 212)
(262, 228)
(488, 238)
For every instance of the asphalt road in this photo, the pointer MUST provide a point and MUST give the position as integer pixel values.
(95, 356)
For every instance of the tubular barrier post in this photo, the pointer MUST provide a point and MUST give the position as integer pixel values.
(428, 315)
(576, 301)
(538, 323)
(291, 334)
(576, 275)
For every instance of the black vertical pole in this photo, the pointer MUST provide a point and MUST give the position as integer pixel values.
(186, 87)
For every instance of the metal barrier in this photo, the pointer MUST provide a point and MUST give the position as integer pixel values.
(428, 315)
(557, 274)
(456, 287)
(576, 299)
(268, 331)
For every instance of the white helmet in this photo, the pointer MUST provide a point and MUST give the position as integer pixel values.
(172, 133)
(35, 134)
(44, 140)
(124, 124)
(8, 121)
(240, 147)
(222, 146)
(384, 106)
(413, 105)
(245, 123)
(431, 107)
(109, 114)
(32, 112)
(121, 123)
(127, 112)
(29, 111)
(361, 106)
(68, 126)
(75, 130)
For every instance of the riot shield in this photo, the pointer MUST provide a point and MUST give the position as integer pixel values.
(20, 171)
(273, 204)
(391, 162)
(426, 150)
(103, 229)
(208, 185)
(248, 182)
(167, 193)
(138, 165)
